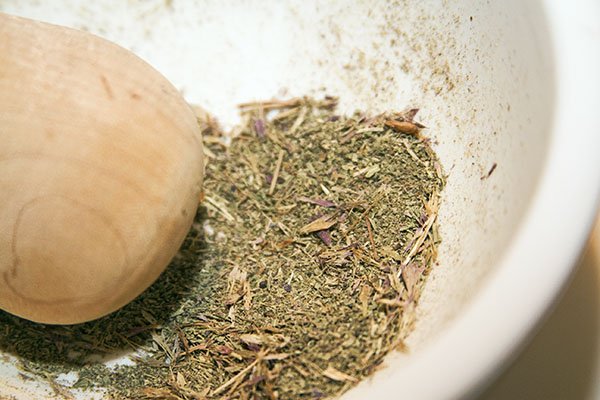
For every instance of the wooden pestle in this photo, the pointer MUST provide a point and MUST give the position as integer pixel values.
(101, 169)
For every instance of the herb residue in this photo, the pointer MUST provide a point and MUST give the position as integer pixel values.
(301, 272)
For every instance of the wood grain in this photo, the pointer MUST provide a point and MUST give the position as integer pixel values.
(100, 173)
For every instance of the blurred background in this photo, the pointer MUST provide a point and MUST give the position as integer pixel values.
(562, 361)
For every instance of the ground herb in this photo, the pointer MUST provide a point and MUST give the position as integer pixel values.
(300, 273)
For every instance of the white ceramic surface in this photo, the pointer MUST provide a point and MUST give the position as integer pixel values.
(571, 369)
(509, 83)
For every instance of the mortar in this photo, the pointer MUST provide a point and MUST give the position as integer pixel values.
(507, 84)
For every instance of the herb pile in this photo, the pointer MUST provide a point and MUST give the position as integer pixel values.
(301, 271)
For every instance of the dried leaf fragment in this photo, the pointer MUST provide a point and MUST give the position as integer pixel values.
(318, 202)
(276, 357)
(325, 236)
(411, 274)
(387, 251)
(338, 376)
(319, 224)
(368, 172)
(180, 379)
(251, 339)
(490, 172)
(372, 171)
(270, 104)
(237, 285)
(276, 172)
(159, 393)
(410, 114)
(364, 297)
(409, 128)
(391, 302)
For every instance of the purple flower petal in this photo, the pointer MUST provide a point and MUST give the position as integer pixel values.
(324, 236)
(259, 128)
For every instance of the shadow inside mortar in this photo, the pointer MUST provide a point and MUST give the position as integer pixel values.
(122, 331)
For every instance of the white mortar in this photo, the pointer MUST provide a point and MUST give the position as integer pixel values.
(509, 83)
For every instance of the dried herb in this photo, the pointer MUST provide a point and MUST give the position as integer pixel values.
(301, 271)
(490, 172)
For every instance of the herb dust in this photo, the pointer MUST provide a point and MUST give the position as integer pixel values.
(300, 273)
